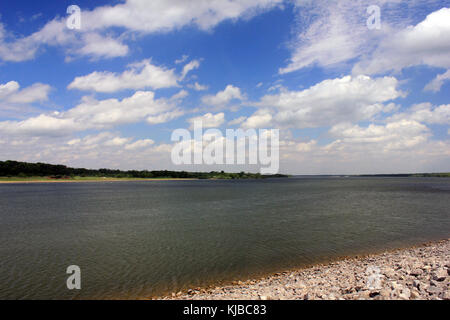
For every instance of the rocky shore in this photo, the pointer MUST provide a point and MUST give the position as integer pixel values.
(418, 273)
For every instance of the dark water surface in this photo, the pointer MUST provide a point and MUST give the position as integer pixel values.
(137, 239)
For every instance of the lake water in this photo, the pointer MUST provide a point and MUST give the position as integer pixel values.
(139, 239)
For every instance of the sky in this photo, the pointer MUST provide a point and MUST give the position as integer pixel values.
(350, 91)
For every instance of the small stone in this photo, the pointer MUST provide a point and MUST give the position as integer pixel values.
(445, 295)
(440, 274)
(416, 272)
(433, 290)
(385, 294)
(415, 294)
(373, 294)
(263, 297)
(405, 294)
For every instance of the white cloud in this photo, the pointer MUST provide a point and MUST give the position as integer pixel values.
(133, 15)
(98, 46)
(333, 37)
(165, 117)
(139, 144)
(260, 119)
(394, 135)
(98, 150)
(182, 59)
(237, 121)
(139, 76)
(223, 97)
(55, 33)
(194, 64)
(327, 103)
(209, 120)
(436, 84)
(427, 43)
(117, 141)
(198, 87)
(10, 93)
(425, 113)
(306, 146)
(164, 16)
(25, 48)
(333, 33)
(94, 114)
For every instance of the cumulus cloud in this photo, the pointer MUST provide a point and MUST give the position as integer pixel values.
(237, 121)
(133, 15)
(96, 114)
(333, 33)
(222, 98)
(164, 16)
(427, 43)
(260, 119)
(98, 46)
(402, 146)
(55, 33)
(425, 113)
(10, 92)
(327, 103)
(139, 76)
(98, 150)
(139, 144)
(209, 120)
(393, 135)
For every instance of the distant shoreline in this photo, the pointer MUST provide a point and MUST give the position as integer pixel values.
(91, 180)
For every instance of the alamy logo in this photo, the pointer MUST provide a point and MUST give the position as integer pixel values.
(374, 21)
(236, 147)
(74, 280)
(74, 20)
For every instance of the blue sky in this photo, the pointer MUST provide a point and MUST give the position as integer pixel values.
(346, 98)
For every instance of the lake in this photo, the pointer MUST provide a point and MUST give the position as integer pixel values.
(141, 239)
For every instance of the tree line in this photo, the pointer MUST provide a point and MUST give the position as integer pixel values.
(24, 169)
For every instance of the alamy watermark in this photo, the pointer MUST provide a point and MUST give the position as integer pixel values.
(374, 276)
(74, 280)
(73, 22)
(374, 20)
(236, 147)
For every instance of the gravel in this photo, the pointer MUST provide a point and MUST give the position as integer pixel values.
(420, 273)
